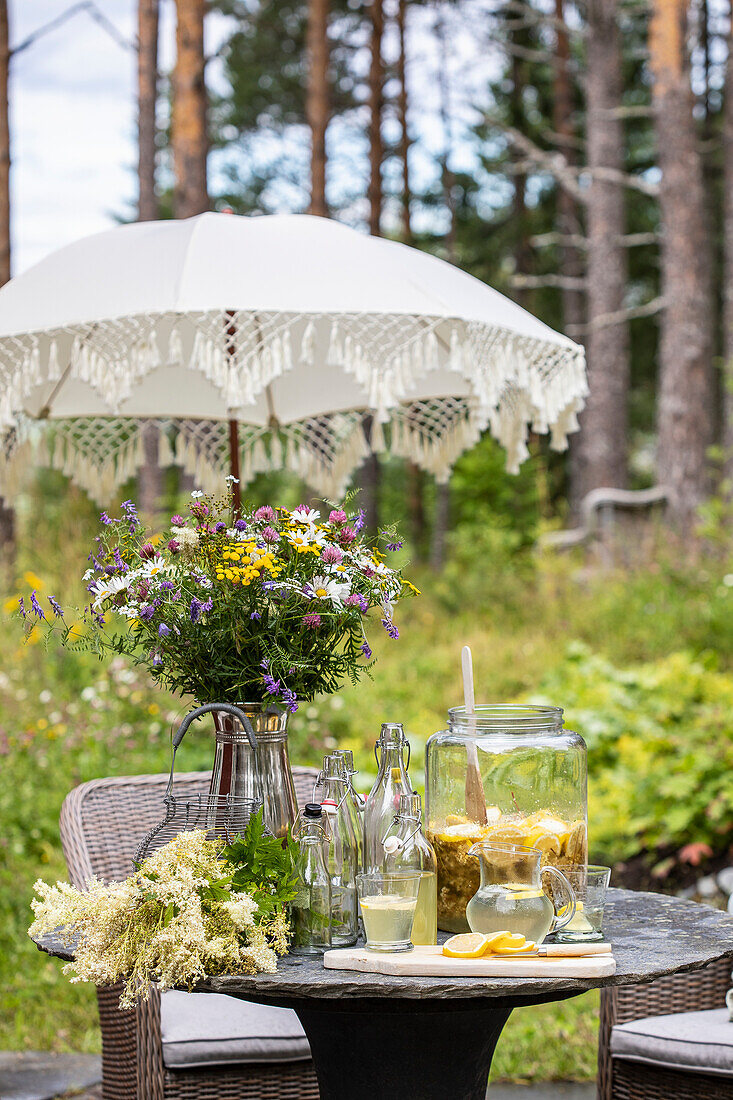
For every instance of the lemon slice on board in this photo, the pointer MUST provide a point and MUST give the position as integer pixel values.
(527, 948)
(471, 945)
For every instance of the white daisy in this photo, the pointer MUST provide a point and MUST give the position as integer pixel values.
(155, 567)
(329, 588)
(196, 493)
(305, 537)
(108, 589)
(307, 516)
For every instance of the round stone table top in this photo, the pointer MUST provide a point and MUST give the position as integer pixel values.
(651, 935)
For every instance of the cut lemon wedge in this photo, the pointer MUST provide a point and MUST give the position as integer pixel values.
(507, 939)
(467, 945)
(527, 948)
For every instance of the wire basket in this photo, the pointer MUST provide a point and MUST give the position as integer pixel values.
(223, 816)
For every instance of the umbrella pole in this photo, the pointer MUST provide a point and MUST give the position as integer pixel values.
(234, 467)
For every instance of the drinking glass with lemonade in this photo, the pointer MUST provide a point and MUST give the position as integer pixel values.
(388, 901)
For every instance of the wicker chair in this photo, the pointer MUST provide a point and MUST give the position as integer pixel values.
(621, 1079)
(101, 823)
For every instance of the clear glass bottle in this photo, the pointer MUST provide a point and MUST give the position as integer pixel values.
(407, 848)
(384, 798)
(356, 802)
(343, 849)
(507, 774)
(311, 907)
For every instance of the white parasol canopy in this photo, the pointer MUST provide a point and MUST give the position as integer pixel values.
(293, 325)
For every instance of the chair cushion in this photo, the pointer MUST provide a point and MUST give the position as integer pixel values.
(701, 1042)
(210, 1029)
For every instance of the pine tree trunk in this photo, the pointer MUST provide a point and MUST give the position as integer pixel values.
(7, 514)
(415, 476)
(369, 473)
(569, 220)
(317, 108)
(603, 443)
(188, 122)
(147, 100)
(376, 105)
(522, 252)
(727, 435)
(150, 483)
(402, 110)
(685, 370)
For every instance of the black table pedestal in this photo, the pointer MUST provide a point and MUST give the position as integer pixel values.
(402, 1049)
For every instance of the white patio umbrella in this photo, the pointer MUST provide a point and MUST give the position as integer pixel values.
(287, 328)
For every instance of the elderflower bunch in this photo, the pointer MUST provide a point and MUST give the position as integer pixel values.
(180, 918)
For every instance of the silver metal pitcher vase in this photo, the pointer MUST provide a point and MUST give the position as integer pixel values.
(261, 773)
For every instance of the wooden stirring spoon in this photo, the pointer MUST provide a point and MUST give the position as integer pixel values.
(475, 798)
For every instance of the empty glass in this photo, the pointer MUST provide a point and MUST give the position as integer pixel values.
(589, 886)
(387, 901)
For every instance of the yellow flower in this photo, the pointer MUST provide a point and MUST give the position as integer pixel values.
(411, 586)
(32, 580)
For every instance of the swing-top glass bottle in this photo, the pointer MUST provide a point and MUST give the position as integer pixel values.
(384, 798)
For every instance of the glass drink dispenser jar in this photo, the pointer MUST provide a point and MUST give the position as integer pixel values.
(508, 773)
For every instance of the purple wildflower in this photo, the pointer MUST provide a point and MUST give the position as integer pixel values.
(265, 514)
(272, 686)
(366, 649)
(346, 536)
(167, 586)
(122, 566)
(56, 607)
(337, 516)
(390, 627)
(174, 546)
(155, 658)
(312, 620)
(199, 509)
(163, 630)
(219, 527)
(99, 618)
(195, 611)
(21, 607)
(176, 595)
(357, 600)
(332, 556)
(104, 518)
(36, 606)
(240, 525)
(394, 545)
(360, 520)
(269, 534)
(290, 699)
(207, 604)
(130, 513)
(147, 550)
(147, 611)
(177, 520)
(256, 615)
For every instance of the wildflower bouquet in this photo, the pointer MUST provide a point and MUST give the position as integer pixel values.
(270, 606)
(193, 909)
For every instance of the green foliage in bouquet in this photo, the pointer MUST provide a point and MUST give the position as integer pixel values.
(267, 607)
(193, 909)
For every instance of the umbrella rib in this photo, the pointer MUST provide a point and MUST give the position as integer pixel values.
(45, 412)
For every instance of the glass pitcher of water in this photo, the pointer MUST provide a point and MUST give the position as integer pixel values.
(510, 897)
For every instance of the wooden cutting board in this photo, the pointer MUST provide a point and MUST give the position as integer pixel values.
(430, 962)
